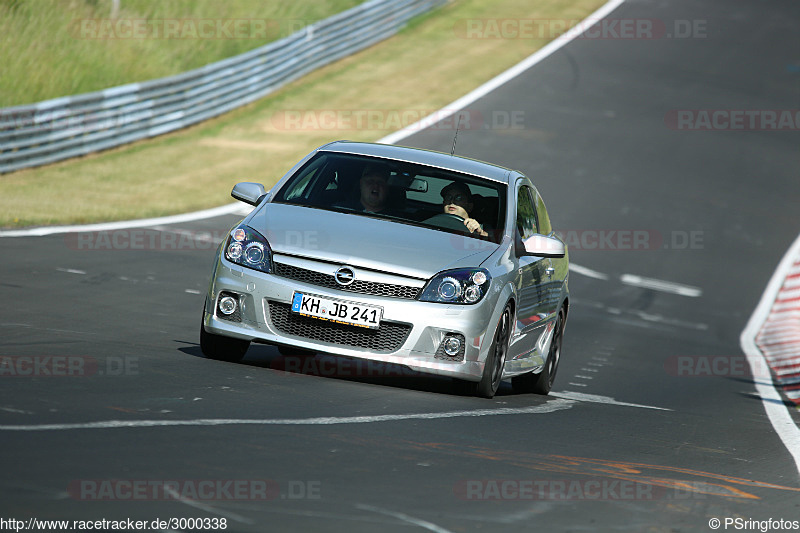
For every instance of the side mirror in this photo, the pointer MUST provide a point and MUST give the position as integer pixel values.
(248, 192)
(545, 246)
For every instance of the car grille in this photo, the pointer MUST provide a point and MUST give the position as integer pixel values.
(360, 286)
(389, 337)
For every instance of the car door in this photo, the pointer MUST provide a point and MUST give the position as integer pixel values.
(531, 293)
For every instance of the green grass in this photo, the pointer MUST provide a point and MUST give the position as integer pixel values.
(425, 67)
(52, 48)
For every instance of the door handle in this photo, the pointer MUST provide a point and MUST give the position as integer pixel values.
(549, 271)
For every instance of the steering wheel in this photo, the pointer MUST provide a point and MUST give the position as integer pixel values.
(448, 221)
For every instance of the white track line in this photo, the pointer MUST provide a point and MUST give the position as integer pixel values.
(404, 518)
(660, 285)
(778, 413)
(207, 508)
(588, 272)
(504, 77)
(595, 398)
(238, 208)
(549, 407)
(71, 271)
(447, 111)
(641, 282)
(564, 400)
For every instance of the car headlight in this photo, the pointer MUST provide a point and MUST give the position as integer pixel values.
(462, 286)
(248, 248)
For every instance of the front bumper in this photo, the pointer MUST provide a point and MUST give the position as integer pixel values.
(418, 328)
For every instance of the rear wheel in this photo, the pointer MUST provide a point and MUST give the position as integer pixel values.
(496, 360)
(221, 348)
(542, 382)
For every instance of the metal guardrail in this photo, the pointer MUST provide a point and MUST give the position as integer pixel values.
(53, 130)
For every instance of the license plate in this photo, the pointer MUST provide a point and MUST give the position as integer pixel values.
(340, 311)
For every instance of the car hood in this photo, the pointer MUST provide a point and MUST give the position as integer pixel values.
(366, 242)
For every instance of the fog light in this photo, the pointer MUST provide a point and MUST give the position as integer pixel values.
(227, 305)
(452, 345)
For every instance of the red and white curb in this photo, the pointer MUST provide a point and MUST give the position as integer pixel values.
(779, 338)
(772, 337)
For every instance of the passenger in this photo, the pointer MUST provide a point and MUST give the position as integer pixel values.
(457, 200)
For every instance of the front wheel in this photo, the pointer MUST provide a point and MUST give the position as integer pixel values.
(542, 382)
(221, 348)
(496, 360)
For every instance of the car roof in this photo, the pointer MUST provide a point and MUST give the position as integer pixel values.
(424, 157)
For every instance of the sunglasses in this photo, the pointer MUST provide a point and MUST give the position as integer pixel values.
(450, 198)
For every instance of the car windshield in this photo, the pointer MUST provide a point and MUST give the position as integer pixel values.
(404, 192)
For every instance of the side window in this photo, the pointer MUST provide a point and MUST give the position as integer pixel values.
(301, 186)
(544, 220)
(526, 214)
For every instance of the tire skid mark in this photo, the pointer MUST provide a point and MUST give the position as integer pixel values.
(685, 479)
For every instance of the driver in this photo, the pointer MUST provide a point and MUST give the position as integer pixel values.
(457, 200)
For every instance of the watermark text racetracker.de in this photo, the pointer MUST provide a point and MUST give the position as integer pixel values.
(593, 489)
(149, 239)
(174, 28)
(67, 366)
(343, 367)
(606, 28)
(144, 239)
(632, 239)
(78, 122)
(733, 119)
(694, 366)
(193, 489)
(176, 239)
(396, 119)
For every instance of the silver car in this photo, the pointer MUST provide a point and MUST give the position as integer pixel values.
(443, 264)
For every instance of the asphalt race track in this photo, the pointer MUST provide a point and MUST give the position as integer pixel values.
(654, 424)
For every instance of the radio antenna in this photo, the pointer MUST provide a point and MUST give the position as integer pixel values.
(456, 135)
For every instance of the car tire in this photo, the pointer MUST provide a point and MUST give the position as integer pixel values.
(542, 382)
(496, 360)
(221, 348)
